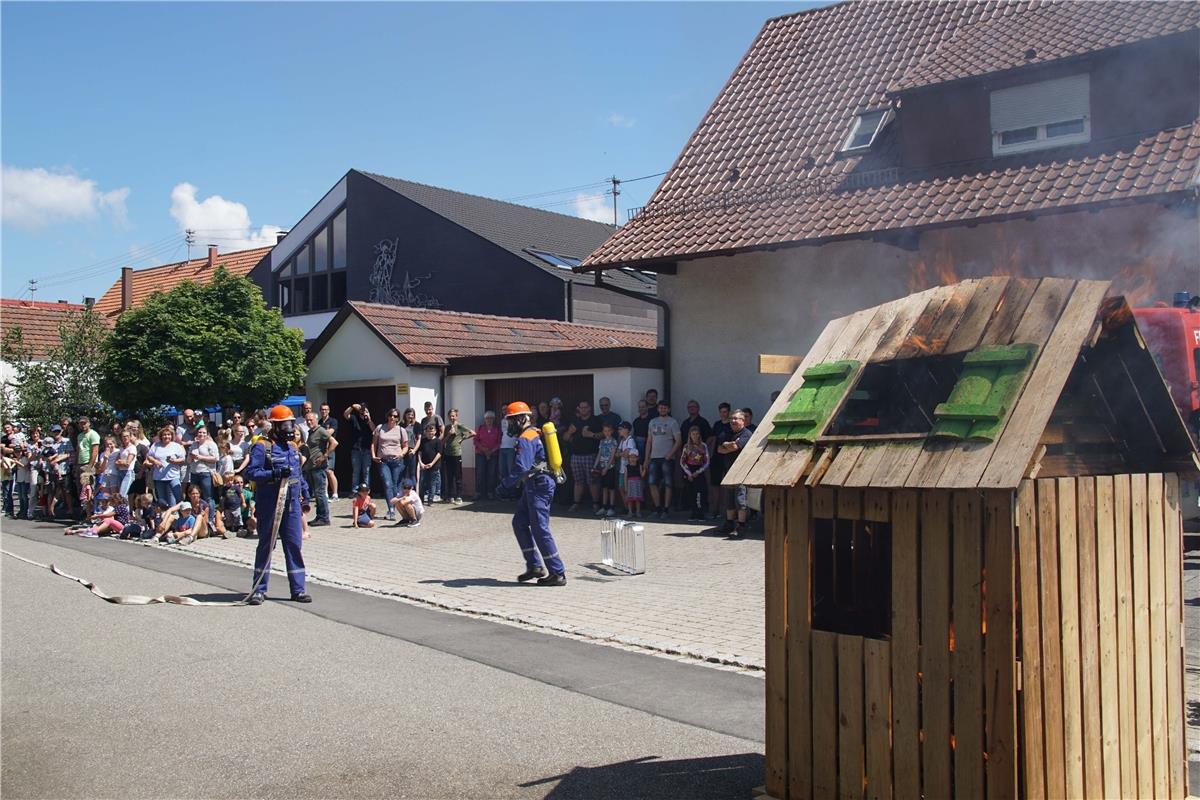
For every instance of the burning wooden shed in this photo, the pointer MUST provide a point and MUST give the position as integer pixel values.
(973, 552)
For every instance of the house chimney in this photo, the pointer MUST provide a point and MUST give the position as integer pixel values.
(212, 256)
(280, 235)
(126, 289)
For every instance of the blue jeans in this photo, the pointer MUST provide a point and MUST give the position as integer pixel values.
(23, 497)
(360, 461)
(170, 491)
(392, 472)
(203, 482)
(485, 475)
(320, 488)
(9, 486)
(431, 481)
(507, 456)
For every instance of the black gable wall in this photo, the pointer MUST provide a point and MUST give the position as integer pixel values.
(465, 272)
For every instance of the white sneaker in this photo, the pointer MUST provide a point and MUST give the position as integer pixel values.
(608, 512)
(599, 512)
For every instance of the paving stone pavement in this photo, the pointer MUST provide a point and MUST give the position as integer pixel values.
(701, 596)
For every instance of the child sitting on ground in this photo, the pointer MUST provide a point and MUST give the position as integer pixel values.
(362, 508)
(630, 478)
(90, 528)
(182, 526)
(409, 505)
(114, 519)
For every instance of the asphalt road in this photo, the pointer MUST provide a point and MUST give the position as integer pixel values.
(353, 696)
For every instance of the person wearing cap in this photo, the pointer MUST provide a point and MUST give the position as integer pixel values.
(275, 468)
(362, 508)
(531, 482)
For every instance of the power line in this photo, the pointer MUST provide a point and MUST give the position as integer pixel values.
(564, 190)
(643, 178)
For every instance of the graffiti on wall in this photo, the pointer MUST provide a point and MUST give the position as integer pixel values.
(383, 290)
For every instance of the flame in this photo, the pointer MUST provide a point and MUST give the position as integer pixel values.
(919, 342)
(1115, 313)
(1008, 258)
(936, 268)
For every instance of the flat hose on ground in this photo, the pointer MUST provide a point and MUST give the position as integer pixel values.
(174, 599)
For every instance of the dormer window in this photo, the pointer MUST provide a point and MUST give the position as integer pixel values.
(1040, 115)
(866, 129)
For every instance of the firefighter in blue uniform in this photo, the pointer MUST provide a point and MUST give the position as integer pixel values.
(533, 485)
(273, 463)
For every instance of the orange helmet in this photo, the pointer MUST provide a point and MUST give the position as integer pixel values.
(280, 413)
(516, 408)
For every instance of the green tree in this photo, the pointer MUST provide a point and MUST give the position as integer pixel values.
(65, 382)
(201, 345)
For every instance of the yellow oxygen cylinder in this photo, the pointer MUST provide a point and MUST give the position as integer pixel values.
(553, 452)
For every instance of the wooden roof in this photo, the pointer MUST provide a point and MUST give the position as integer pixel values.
(1061, 318)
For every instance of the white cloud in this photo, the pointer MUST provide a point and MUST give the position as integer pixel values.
(35, 198)
(594, 206)
(225, 223)
(619, 120)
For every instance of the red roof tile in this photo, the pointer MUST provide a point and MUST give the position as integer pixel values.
(741, 182)
(39, 322)
(430, 338)
(165, 277)
(1023, 35)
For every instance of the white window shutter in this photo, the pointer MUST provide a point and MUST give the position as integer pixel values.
(1056, 100)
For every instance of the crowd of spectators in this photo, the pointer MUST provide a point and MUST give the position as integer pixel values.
(185, 481)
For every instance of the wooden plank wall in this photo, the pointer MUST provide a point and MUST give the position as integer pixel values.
(1099, 575)
(933, 710)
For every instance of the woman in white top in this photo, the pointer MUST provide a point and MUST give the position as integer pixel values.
(239, 446)
(121, 465)
(166, 456)
(203, 458)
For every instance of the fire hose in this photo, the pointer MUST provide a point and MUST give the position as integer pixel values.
(145, 600)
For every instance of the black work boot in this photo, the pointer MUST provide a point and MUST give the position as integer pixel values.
(256, 599)
(531, 573)
(301, 598)
(553, 580)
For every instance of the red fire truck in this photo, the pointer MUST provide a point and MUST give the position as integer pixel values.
(1172, 334)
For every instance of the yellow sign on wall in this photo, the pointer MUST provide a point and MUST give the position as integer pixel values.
(401, 388)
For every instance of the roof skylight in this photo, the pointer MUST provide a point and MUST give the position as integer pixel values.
(867, 127)
(564, 262)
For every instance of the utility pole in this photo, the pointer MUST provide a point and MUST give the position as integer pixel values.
(616, 190)
(33, 288)
(189, 236)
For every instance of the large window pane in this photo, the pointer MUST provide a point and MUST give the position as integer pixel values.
(300, 296)
(303, 258)
(286, 272)
(321, 251)
(339, 240)
(320, 293)
(285, 297)
(337, 290)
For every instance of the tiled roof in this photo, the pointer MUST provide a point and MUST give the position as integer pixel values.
(431, 338)
(165, 277)
(764, 167)
(1020, 36)
(519, 229)
(38, 322)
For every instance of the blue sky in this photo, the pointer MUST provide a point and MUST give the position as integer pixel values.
(122, 123)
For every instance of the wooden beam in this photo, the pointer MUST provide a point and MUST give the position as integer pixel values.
(778, 365)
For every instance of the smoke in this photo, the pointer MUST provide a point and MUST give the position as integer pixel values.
(1149, 251)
